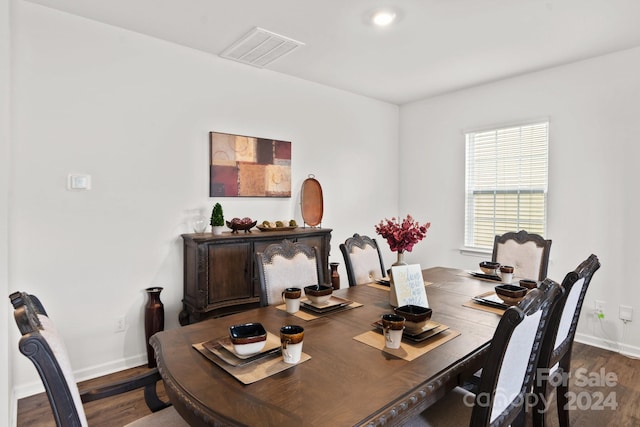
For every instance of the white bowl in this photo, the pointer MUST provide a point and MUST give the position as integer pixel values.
(247, 338)
(249, 348)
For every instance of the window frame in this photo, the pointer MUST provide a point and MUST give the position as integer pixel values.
(473, 245)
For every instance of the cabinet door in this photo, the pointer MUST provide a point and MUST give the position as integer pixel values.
(229, 272)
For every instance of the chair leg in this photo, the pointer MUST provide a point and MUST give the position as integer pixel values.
(562, 394)
(520, 419)
(541, 406)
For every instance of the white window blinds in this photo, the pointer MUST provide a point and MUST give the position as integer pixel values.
(506, 182)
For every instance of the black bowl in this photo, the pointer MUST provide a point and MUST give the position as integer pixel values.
(511, 294)
(318, 294)
(489, 267)
(247, 333)
(414, 313)
(528, 283)
(318, 290)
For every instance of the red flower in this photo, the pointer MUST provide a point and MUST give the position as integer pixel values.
(401, 236)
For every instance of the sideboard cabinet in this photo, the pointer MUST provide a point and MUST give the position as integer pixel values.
(220, 275)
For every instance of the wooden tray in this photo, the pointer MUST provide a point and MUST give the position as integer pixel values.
(261, 228)
(312, 202)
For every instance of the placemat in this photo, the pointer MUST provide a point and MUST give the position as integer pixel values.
(252, 372)
(305, 315)
(514, 281)
(386, 288)
(407, 351)
(476, 305)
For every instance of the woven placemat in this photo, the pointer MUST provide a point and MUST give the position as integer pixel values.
(484, 307)
(306, 315)
(255, 371)
(407, 351)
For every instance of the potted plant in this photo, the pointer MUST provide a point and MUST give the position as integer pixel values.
(217, 219)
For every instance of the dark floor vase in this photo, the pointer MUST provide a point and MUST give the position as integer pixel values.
(335, 276)
(153, 320)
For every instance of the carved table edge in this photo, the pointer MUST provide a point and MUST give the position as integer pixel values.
(415, 402)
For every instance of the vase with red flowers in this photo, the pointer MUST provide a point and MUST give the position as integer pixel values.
(401, 236)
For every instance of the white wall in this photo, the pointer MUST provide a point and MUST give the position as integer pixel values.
(593, 174)
(7, 407)
(135, 112)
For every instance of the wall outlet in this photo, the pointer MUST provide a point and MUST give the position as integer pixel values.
(626, 313)
(120, 324)
(599, 309)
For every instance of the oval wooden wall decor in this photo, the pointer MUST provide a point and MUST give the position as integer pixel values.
(312, 203)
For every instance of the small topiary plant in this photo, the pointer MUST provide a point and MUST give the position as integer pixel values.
(217, 218)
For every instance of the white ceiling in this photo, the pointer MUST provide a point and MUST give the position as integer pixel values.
(437, 46)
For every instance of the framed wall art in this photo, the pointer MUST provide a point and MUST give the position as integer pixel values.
(247, 166)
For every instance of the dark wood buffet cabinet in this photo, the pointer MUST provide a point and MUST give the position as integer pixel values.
(220, 275)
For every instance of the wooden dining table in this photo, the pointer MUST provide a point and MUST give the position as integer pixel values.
(345, 382)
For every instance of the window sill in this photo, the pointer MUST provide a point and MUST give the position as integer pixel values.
(476, 252)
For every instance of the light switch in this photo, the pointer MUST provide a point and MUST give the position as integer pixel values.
(79, 182)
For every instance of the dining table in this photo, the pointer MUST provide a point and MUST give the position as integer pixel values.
(343, 380)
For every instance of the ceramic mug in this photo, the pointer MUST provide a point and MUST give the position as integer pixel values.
(506, 273)
(291, 337)
(392, 325)
(291, 298)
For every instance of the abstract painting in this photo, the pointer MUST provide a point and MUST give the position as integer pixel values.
(247, 166)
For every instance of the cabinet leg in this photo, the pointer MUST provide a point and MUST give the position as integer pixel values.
(183, 317)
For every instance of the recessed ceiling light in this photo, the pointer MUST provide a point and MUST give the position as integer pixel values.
(383, 18)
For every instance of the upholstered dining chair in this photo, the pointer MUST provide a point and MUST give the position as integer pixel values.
(527, 253)
(362, 259)
(508, 372)
(43, 345)
(285, 265)
(555, 356)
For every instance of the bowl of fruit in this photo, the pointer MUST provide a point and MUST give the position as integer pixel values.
(245, 224)
(278, 225)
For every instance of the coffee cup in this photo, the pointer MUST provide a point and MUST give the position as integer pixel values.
(392, 325)
(291, 337)
(291, 298)
(506, 273)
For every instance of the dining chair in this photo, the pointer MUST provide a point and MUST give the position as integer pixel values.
(527, 253)
(43, 345)
(285, 265)
(555, 356)
(362, 259)
(508, 371)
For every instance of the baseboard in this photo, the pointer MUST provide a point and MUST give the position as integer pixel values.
(26, 390)
(624, 349)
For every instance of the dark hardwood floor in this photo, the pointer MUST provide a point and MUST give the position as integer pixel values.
(34, 411)
(591, 367)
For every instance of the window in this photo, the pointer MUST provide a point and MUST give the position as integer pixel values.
(506, 182)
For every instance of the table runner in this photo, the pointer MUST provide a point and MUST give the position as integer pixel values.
(407, 351)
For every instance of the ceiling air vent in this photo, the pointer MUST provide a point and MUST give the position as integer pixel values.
(260, 47)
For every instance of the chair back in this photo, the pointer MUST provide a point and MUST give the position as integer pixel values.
(527, 253)
(42, 344)
(284, 265)
(362, 259)
(510, 366)
(564, 320)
